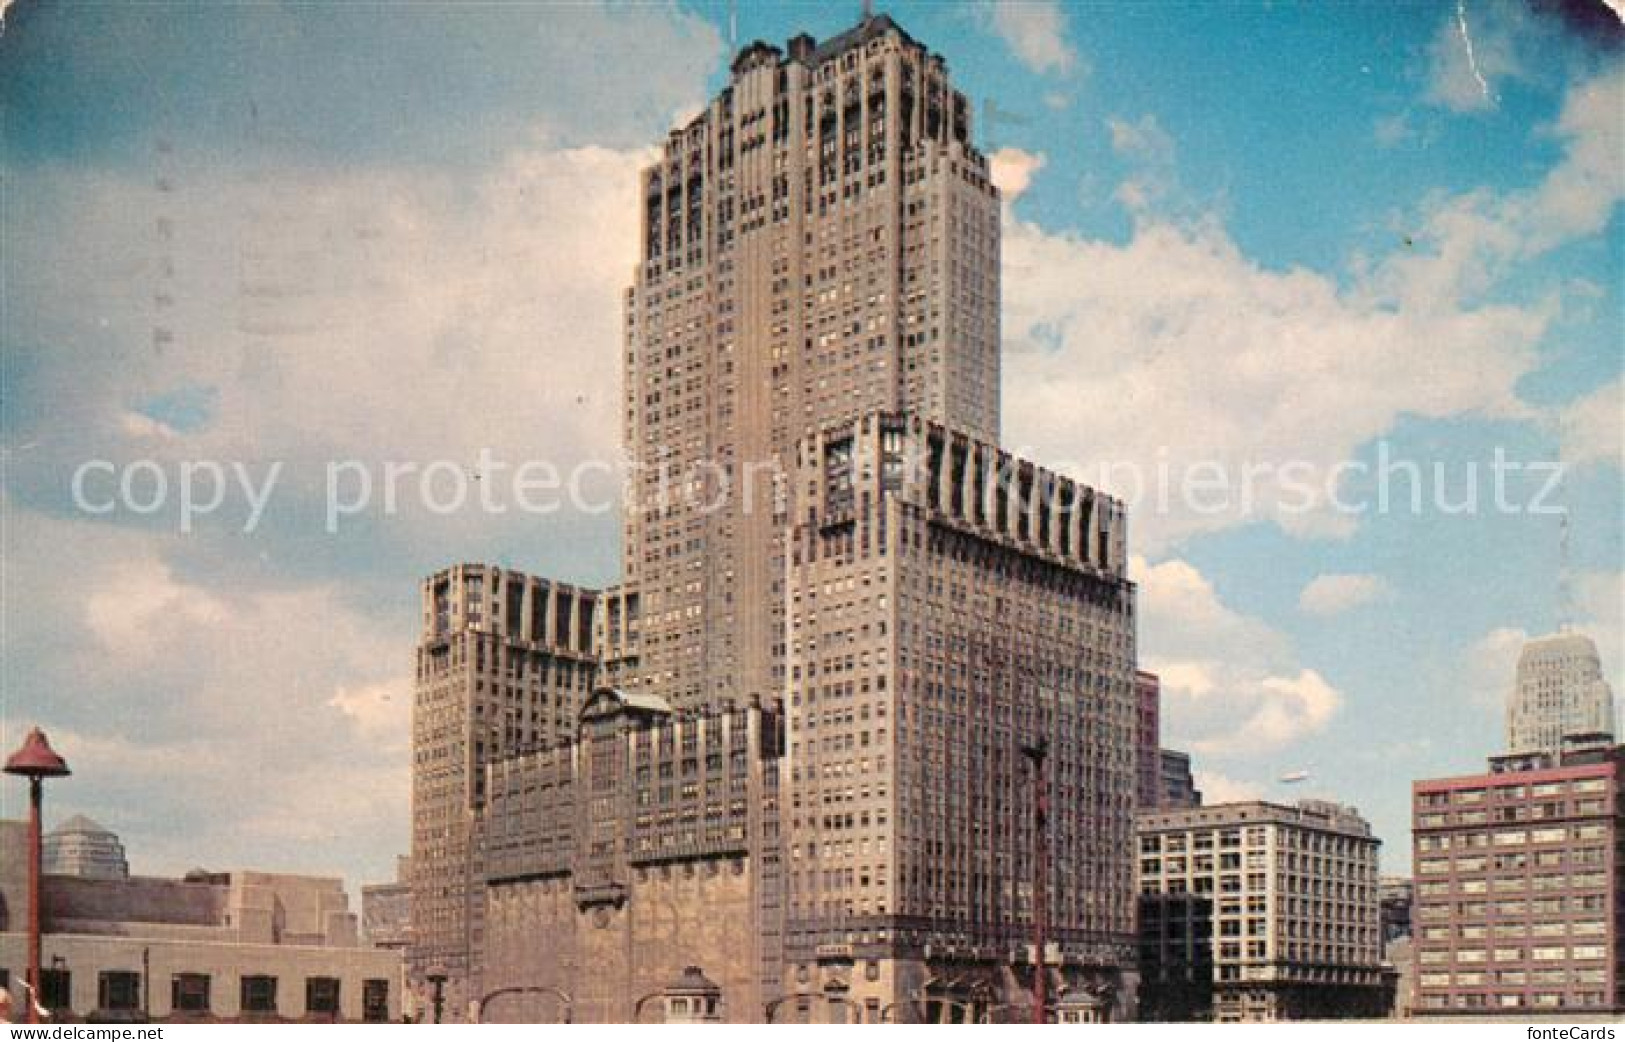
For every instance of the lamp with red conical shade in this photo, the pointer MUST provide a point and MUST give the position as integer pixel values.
(36, 761)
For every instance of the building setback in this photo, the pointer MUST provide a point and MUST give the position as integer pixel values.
(819, 517)
(819, 243)
(1279, 902)
(504, 662)
(1177, 784)
(1519, 884)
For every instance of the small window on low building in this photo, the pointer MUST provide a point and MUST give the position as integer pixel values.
(189, 993)
(375, 1001)
(259, 995)
(322, 996)
(118, 990)
(56, 989)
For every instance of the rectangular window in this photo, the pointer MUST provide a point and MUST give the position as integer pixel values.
(56, 989)
(375, 1001)
(189, 993)
(322, 996)
(118, 990)
(259, 995)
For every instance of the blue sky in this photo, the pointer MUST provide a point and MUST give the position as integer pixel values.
(1238, 233)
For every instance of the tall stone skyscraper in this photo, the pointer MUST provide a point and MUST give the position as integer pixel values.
(951, 609)
(848, 621)
(1560, 691)
(820, 243)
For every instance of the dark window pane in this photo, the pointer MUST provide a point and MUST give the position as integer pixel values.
(118, 990)
(56, 989)
(189, 993)
(375, 1001)
(322, 996)
(259, 995)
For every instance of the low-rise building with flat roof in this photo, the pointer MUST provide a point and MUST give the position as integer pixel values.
(211, 946)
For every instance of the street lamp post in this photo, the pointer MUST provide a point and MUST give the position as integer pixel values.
(437, 980)
(36, 761)
(1038, 752)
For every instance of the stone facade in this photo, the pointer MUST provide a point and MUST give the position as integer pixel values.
(822, 241)
(650, 844)
(1560, 692)
(949, 605)
(211, 946)
(504, 662)
(1288, 900)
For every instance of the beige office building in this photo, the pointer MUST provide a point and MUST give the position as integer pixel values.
(386, 909)
(1283, 907)
(650, 844)
(1560, 691)
(949, 605)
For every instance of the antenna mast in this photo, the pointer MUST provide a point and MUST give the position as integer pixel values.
(1565, 585)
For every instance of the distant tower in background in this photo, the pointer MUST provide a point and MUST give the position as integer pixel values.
(1148, 741)
(81, 847)
(1560, 691)
(1176, 784)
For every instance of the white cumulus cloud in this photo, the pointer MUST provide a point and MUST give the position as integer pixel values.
(1278, 377)
(1220, 788)
(1231, 684)
(1335, 594)
(1591, 429)
(1036, 32)
(1012, 170)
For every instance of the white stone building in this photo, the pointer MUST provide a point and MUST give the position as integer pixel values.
(1560, 691)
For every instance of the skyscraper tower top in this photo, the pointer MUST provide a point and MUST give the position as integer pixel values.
(819, 244)
(1560, 691)
(806, 50)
